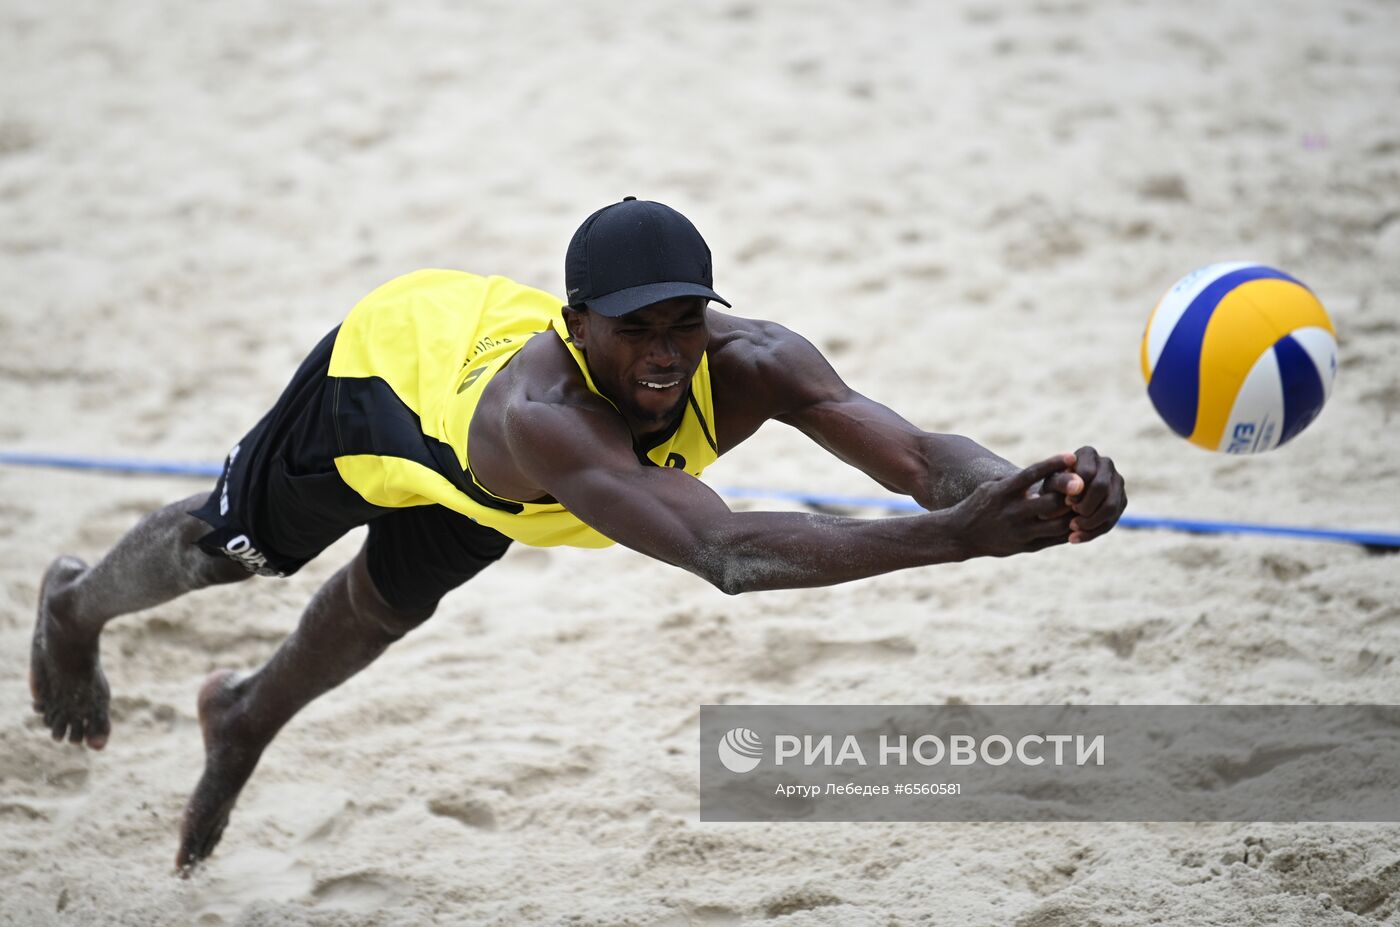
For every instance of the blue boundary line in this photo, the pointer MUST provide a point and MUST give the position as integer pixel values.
(890, 504)
(113, 464)
(1193, 525)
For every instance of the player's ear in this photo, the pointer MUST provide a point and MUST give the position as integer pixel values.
(576, 319)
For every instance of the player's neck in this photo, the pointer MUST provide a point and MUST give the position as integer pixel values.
(648, 433)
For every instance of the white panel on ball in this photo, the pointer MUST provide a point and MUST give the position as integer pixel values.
(1178, 299)
(1256, 418)
(1322, 348)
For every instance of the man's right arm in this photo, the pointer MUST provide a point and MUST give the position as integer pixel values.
(584, 459)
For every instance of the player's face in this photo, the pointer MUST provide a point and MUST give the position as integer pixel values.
(643, 361)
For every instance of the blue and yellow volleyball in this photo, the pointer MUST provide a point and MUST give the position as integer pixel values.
(1239, 357)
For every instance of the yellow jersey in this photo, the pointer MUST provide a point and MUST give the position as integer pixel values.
(409, 367)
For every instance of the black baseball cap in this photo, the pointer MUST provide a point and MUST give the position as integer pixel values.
(635, 253)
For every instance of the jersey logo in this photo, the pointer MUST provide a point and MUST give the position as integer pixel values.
(675, 460)
(242, 550)
(471, 378)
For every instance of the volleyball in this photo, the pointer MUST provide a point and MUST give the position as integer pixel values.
(1239, 357)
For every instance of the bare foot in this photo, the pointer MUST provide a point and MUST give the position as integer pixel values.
(65, 674)
(230, 755)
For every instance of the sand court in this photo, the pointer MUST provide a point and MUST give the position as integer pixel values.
(970, 208)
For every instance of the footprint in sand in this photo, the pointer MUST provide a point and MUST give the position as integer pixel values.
(1057, 914)
(230, 883)
(360, 892)
(142, 712)
(312, 814)
(793, 901)
(31, 763)
(526, 779)
(472, 812)
(1283, 568)
(1356, 877)
(1124, 641)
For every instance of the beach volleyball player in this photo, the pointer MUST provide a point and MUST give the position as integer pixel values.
(454, 413)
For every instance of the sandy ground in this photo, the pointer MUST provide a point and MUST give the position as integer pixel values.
(971, 206)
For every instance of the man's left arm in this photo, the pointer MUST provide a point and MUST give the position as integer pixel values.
(937, 470)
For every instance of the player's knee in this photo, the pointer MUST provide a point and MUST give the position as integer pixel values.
(393, 619)
(398, 621)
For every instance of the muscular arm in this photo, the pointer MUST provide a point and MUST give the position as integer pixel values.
(936, 470)
(802, 390)
(583, 458)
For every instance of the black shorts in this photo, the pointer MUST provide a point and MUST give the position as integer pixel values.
(280, 502)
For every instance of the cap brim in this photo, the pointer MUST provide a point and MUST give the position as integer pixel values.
(639, 297)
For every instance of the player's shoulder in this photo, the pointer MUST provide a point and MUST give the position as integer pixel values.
(743, 345)
(726, 328)
(544, 376)
(538, 406)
